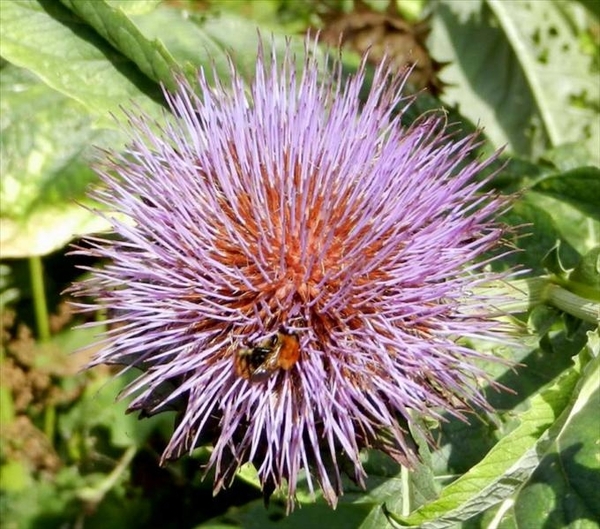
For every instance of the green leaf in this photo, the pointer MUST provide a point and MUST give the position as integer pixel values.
(544, 36)
(517, 67)
(584, 279)
(552, 262)
(398, 488)
(45, 174)
(99, 410)
(190, 42)
(46, 38)
(505, 467)
(254, 516)
(14, 476)
(573, 227)
(475, 82)
(152, 58)
(579, 187)
(134, 7)
(563, 490)
(537, 234)
(207, 42)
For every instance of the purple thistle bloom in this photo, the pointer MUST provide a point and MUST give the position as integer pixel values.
(294, 271)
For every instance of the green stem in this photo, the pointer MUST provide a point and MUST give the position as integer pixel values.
(582, 308)
(94, 495)
(36, 273)
(524, 294)
(40, 306)
(405, 480)
(502, 510)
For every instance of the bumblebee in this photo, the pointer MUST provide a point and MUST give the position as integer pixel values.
(258, 362)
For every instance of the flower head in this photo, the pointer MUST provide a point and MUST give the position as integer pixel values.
(294, 271)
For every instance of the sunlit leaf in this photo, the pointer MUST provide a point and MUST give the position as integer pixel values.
(49, 40)
(573, 227)
(562, 489)
(135, 7)
(580, 187)
(518, 68)
(151, 57)
(508, 465)
(14, 476)
(45, 171)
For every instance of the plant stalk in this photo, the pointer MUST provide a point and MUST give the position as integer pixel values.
(40, 306)
(524, 294)
(42, 322)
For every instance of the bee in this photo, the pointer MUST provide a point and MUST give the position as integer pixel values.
(256, 363)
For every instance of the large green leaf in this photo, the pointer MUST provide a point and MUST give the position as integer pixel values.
(518, 68)
(563, 490)
(534, 243)
(135, 7)
(579, 187)
(507, 466)
(151, 57)
(579, 230)
(191, 41)
(117, 60)
(45, 138)
(46, 38)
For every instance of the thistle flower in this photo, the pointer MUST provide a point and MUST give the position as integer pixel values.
(293, 270)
